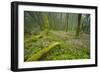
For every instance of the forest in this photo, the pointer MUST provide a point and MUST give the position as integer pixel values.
(56, 36)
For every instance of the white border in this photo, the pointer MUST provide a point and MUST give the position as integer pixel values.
(22, 64)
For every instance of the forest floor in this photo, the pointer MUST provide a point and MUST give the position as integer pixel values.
(56, 45)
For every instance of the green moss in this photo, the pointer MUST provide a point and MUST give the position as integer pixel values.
(38, 55)
(46, 48)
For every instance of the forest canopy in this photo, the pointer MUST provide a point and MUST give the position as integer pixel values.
(56, 35)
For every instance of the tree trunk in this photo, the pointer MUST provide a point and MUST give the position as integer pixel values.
(67, 22)
(46, 25)
(78, 26)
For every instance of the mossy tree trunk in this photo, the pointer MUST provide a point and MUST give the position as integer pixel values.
(46, 23)
(78, 25)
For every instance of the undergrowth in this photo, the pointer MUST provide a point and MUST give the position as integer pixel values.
(45, 47)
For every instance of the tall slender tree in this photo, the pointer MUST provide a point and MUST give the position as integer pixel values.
(78, 25)
(46, 23)
(67, 17)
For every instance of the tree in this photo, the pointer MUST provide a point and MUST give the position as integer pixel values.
(78, 25)
(46, 23)
(67, 17)
(85, 25)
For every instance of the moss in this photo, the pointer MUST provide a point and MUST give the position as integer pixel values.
(38, 55)
(69, 48)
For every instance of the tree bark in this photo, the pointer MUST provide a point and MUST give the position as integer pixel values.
(67, 22)
(78, 25)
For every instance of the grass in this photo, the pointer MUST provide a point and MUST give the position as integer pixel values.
(45, 47)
